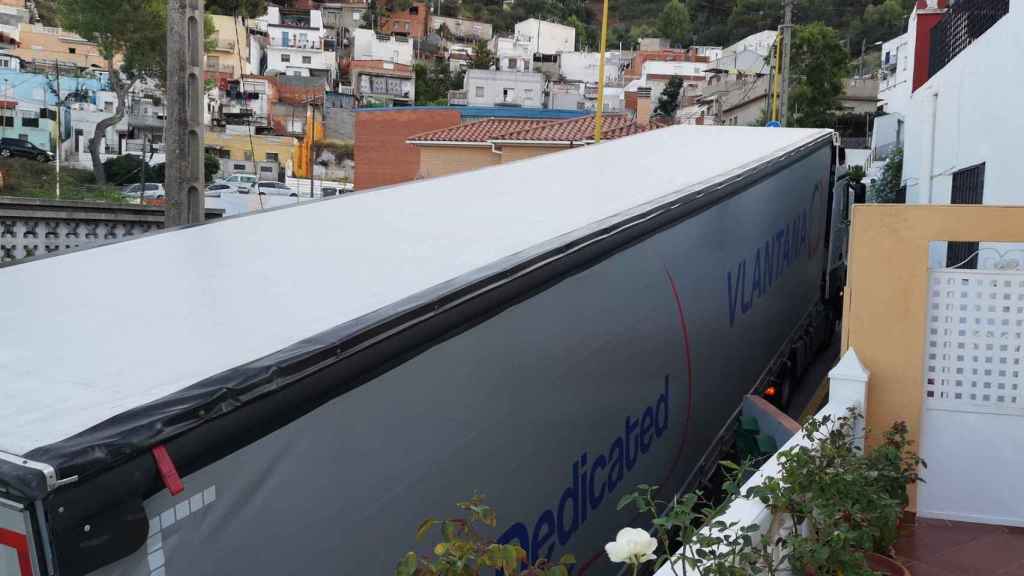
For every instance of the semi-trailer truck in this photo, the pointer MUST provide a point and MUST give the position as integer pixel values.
(293, 391)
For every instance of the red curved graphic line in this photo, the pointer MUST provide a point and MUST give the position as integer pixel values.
(689, 410)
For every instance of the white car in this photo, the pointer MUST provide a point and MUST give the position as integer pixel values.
(241, 182)
(152, 191)
(271, 188)
(217, 188)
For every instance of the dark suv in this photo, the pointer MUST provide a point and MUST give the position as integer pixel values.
(16, 147)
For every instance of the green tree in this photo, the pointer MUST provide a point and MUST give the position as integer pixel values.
(243, 8)
(483, 58)
(668, 103)
(583, 36)
(674, 22)
(450, 8)
(820, 68)
(750, 16)
(884, 190)
(883, 21)
(134, 31)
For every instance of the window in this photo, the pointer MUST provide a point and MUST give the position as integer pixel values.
(271, 157)
(968, 188)
(30, 120)
(266, 168)
(7, 121)
(307, 59)
(357, 16)
(479, 91)
(72, 50)
(508, 94)
(240, 166)
(248, 156)
(286, 57)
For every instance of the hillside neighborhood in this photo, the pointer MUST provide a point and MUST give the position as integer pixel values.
(294, 93)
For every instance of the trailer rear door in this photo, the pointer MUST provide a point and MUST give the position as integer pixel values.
(16, 549)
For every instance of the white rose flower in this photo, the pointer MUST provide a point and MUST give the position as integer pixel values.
(632, 546)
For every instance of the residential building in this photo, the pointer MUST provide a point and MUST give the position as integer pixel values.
(743, 61)
(584, 67)
(295, 44)
(732, 99)
(758, 42)
(244, 102)
(654, 44)
(546, 38)
(46, 44)
(583, 96)
(505, 88)
(860, 96)
(12, 14)
(383, 83)
(413, 22)
(228, 56)
(368, 45)
(496, 141)
(10, 62)
(513, 54)
(960, 143)
(250, 151)
(636, 66)
(86, 113)
(344, 15)
(340, 114)
(657, 74)
(895, 77)
(462, 29)
(34, 123)
(383, 155)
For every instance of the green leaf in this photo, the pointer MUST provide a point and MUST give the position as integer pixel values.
(440, 549)
(728, 465)
(567, 559)
(556, 571)
(407, 566)
(424, 527)
(448, 530)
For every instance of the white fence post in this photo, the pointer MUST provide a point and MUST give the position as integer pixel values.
(848, 385)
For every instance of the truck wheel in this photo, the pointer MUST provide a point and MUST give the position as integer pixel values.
(5, 153)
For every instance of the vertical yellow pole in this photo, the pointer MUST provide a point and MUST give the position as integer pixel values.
(599, 117)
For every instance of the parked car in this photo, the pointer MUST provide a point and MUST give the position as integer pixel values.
(217, 188)
(16, 147)
(271, 188)
(241, 182)
(152, 191)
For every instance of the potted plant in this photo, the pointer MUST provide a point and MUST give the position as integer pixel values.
(841, 508)
(463, 551)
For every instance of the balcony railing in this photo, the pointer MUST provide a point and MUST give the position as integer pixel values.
(217, 67)
(964, 23)
(315, 44)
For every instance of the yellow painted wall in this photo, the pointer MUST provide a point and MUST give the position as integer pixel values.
(225, 37)
(513, 153)
(886, 296)
(444, 160)
(42, 43)
(285, 147)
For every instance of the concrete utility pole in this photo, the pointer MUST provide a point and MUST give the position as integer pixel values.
(183, 129)
(787, 45)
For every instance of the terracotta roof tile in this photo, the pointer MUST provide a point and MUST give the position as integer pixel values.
(575, 130)
(481, 131)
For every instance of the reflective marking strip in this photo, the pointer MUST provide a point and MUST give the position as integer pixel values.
(19, 542)
(156, 556)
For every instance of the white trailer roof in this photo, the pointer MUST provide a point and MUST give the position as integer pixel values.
(90, 334)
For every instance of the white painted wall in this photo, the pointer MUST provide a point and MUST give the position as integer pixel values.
(490, 87)
(585, 66)
(513, 54)
(546, 37)
(367, 46)
(964, 116)
(897, 74)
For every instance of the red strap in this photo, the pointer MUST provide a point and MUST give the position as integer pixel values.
(167, 470)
